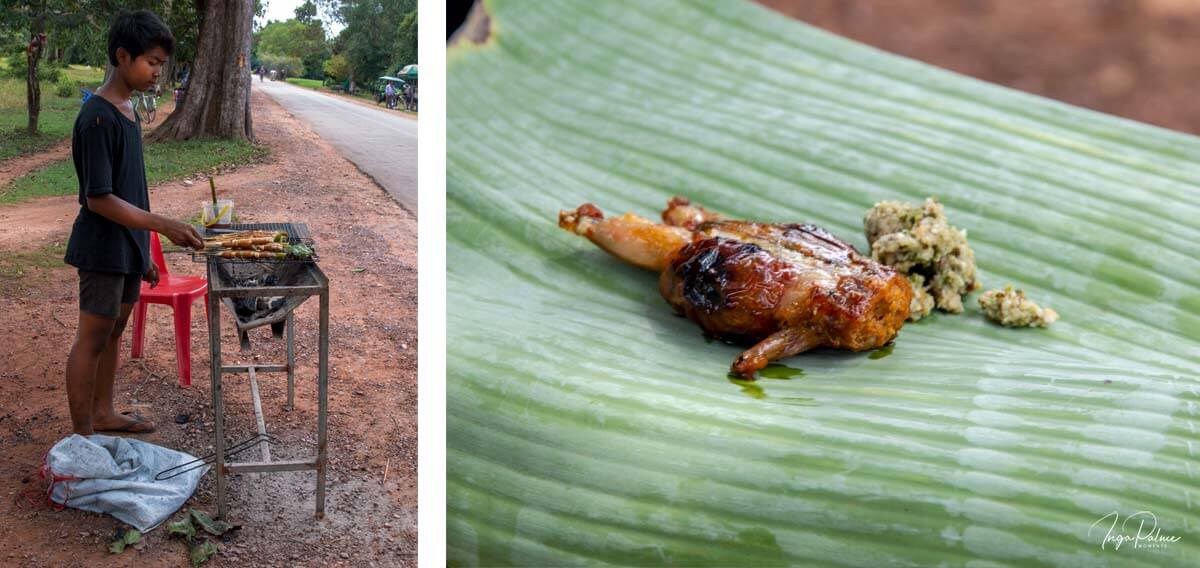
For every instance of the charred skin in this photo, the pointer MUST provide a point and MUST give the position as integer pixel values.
(783, 288)
(729, 287)
(749, 282)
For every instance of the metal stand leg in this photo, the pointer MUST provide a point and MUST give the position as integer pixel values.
(322, 401)
(214, 338)
(264, 448)
(291, 362)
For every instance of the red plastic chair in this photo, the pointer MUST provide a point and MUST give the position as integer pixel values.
(178, 292)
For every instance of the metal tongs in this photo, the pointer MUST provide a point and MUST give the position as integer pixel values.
(212, 458)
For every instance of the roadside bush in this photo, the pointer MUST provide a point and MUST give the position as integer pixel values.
(337, 68)
(18, 68)
(65, 89)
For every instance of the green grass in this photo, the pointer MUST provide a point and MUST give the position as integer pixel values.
(84, 74)
(310, 83)
(19, 263)
(57, 114)
(164, 161)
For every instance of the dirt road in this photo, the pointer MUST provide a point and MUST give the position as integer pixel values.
(27, 227)
(1131, 58)
(381, 143)
(368, 249)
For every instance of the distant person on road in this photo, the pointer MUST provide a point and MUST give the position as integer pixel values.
(408, 97)
(389, 94)
(181, 91)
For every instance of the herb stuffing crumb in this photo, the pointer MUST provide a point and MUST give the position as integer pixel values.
(1011, 308)
(922, 302)
(920, 242)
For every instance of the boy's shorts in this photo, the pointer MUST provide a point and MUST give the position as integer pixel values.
(102, 293)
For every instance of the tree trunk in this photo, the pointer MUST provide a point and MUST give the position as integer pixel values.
(33, 54)
(217, 101)
(166, 81)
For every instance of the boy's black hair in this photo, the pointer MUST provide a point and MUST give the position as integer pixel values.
(138, 32)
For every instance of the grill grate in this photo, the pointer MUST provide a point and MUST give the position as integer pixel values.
(297, 234)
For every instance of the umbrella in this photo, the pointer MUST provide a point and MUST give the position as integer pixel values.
(409, 71)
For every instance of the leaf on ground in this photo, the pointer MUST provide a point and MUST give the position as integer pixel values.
(182, 528)
(200, 553)
(122, 538)
(215, 528)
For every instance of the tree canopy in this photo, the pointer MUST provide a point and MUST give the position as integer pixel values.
(379, 37)
(373, 38)
(77, 30)
(297, 39)
(306, 12)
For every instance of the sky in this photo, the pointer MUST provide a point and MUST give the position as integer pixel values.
(286, 10)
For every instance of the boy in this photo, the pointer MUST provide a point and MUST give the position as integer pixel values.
(109, 241)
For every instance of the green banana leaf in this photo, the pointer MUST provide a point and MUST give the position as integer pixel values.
(586, 424)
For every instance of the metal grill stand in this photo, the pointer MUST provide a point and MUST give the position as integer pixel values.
(312, 282)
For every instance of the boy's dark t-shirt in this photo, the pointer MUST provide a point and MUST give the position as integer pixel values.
(107, 149)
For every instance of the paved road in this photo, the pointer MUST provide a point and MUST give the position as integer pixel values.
(380, 142)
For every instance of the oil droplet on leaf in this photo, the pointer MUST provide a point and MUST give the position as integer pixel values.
(749, 388)
(780, 371)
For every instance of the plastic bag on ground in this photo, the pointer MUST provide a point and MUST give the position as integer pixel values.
(114, 475)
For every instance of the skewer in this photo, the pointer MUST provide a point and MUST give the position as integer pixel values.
(276, 236)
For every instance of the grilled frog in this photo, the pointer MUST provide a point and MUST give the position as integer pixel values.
(782, 289)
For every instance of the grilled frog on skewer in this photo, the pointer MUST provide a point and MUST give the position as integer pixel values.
(784, 288)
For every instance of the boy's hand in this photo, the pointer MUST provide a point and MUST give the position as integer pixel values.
(184, 235)
(151, 275)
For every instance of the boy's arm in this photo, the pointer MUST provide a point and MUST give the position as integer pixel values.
(121, 212)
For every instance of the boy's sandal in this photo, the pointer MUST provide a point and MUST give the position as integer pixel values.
(138, 426)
